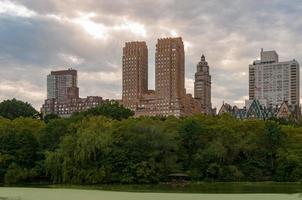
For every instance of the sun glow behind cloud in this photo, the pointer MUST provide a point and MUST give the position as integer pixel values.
(187, 45)
(100, 31)
(71, 59)
(96, 30)
(133, 27)
(173, 33)
(11, 8)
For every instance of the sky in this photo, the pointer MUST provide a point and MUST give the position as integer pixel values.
(38, 36)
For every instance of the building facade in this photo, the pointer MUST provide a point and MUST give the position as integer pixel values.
(135, 73)
(69, 106)
(62, 85)
(202, 86)
(257, 110)
(274, 81)
(63, 95)
(170, 76)
(169, 96)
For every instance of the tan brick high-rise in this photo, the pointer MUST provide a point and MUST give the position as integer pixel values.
(169, 97)
(135, 73)
(170, 75)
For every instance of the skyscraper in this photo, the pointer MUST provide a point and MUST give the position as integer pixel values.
(202, 86)
(135, 73)
(169, 97)
(274, 81)
(62, 85)
(170, 75)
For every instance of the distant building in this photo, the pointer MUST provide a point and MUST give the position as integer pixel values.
(63, 95)
(256, 110)
(170, 76)
(285, 111)
(169, 96)
(202, 86)
(69, 106)
(274, 81)
(263, 103)
(135, 73)
(62, 85)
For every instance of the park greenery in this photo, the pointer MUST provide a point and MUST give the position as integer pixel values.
(108, 145)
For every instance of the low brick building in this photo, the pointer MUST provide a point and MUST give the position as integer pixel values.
(67, 107)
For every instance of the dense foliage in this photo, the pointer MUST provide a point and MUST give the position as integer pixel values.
(13, 109)
(89, 148)
(110, 109)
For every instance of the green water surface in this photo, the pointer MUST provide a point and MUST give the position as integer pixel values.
(203, 191)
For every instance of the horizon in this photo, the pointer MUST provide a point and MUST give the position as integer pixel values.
(37, 38)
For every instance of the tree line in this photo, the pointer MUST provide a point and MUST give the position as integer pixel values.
(107, 145)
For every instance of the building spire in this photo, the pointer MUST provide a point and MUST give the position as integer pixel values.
(202, 85)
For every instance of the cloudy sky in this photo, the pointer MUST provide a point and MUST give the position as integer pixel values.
(37, 36)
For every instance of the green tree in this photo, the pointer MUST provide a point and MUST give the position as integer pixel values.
(89, 148)
(26, 154)
(142, 152)
(82, 156)
(289, 166)
(190, 132)
(49, 117)
(17, 175)
(111, 109)
(18, 146)
(13, 109)
(273, 139)
(51, 135)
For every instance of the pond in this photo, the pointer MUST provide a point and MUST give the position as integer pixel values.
(215, 191)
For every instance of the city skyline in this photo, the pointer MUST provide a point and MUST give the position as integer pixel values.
(170, 96)
(39, 38)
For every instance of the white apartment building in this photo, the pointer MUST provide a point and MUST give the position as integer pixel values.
(274, 81)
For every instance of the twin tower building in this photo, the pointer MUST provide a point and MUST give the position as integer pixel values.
(169, 96)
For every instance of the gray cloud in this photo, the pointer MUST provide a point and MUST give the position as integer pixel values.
(229, 33)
